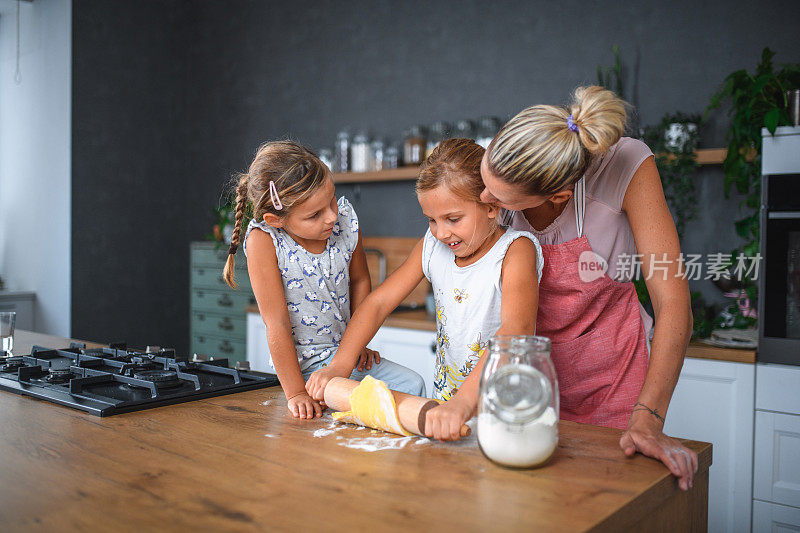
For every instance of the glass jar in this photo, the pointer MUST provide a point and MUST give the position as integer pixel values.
(464, 129)
(414, 146)
(376, 155)
(341, 161)
(359, 153)
(439, 132)
(487, 129)
(391, 157)
(518, 405)
(326, 156)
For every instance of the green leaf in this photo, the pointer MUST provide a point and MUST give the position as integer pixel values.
(742, 227)
(771, 119)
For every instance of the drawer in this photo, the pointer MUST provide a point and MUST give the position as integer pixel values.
(219, 325)
(210, 255)
(777, 388)
(776, 467)
(210, 277)
(224, 302)
(219, 348)
(769, 517)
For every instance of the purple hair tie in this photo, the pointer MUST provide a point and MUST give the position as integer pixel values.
(571, 124)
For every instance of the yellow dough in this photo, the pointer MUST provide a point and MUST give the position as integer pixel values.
(372, 405)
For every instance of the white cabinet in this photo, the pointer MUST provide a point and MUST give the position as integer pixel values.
(713, 402)
(21, 303)
(774, 518)
(408, 347)
(777, 458)
(776, 467)
(412, 348)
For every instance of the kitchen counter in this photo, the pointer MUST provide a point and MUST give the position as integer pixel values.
(242, 462)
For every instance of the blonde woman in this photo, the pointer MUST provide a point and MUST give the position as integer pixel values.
(594, 200)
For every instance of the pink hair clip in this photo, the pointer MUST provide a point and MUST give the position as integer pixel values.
(273, 195)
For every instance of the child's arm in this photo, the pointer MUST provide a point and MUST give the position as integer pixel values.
(265, 277)
(518, 307)
(367, 319)
(360, 286)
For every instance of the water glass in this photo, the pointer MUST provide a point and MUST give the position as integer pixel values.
(7, 321)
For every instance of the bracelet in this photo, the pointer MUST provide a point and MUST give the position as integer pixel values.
(643, 407)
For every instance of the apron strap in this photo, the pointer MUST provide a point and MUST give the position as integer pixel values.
(580, 204)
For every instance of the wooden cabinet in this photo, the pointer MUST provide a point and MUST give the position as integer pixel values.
(218, 318)
(713, 402)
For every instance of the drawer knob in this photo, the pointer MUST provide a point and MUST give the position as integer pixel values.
(226, 347)
(225, 301)
(225, 324)
(433, 347)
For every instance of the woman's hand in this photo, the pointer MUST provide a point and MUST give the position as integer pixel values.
(302, 405)
(444, 421)
(366, 358)
(317, 381)
(645, 435)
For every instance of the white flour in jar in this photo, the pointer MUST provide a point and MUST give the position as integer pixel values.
(522, 446)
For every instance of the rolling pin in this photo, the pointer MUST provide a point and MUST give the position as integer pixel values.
(411, 410)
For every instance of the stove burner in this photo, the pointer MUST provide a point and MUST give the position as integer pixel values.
(9, 364)
(58, 375)
(161, 378)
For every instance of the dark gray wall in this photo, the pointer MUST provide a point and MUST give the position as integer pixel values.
(171, 98)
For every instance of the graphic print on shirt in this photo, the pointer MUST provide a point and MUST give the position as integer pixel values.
(460, 295)
(476, 350)
(444, 380)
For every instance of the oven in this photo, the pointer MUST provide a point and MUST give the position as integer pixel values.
(779, 280)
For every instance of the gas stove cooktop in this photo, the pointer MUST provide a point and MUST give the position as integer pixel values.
(109, 381)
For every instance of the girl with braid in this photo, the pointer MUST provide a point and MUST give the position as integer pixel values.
(308, 270)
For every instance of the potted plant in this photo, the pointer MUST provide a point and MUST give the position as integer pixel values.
(673, 141)
(757, 100)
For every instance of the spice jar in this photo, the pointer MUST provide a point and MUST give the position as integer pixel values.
(376, 155)
(464, 129)
(487, 129)
(439, 132)
(326, 156)
(518, 407)
(414, 146)
(391, 157)
(359, 153)
(342, 150)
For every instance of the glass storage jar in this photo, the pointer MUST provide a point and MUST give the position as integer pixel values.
(414, 146)
(359, 153)
(518, 404)
(341, 161)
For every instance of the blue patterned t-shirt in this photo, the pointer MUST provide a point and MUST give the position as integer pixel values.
(316, 286)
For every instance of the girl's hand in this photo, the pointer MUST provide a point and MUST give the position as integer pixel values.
(444, 421)
(317, 381)
(645, 435)
(302, 405)
(366, 358)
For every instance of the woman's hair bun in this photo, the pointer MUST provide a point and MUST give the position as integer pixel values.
(601, 117)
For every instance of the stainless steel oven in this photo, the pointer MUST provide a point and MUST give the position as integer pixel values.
(779, 279)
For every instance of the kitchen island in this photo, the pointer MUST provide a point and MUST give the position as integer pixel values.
(242, 462)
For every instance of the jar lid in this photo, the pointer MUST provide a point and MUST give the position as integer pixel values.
(517, 393)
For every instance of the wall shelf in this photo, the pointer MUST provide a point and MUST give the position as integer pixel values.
(705, 156)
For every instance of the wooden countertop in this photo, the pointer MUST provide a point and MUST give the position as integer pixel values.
(242, 462)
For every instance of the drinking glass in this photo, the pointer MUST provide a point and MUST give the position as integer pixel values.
(7, 321)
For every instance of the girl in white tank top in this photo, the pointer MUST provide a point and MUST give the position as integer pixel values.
(483, 277)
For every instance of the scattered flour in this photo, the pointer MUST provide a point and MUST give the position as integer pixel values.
(374, 444)
(270, 435)
(268, 402)
(423, 441)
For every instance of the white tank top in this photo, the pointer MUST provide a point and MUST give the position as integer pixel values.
(467, 305)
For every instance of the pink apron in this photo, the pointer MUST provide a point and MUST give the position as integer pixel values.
(596, 329)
